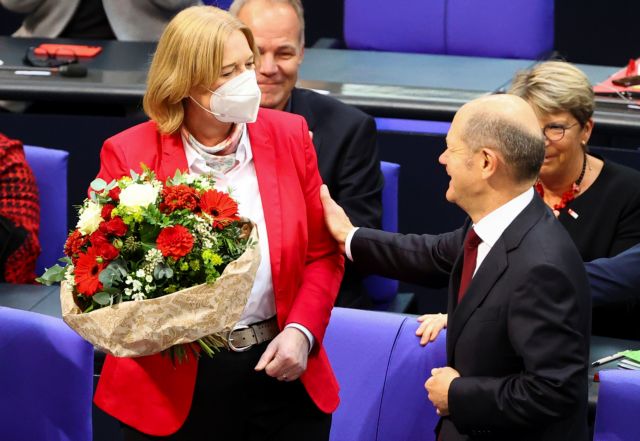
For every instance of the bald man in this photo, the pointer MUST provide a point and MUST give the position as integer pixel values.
(519, 304)
(343, 136)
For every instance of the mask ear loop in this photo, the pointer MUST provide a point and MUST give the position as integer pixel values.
(203, 107)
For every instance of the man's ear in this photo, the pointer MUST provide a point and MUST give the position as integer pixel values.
(490, 161)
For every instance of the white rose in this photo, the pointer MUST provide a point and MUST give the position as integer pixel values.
(138, 195)
(90, 218)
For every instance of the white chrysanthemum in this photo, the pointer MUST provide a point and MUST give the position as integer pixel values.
(90, 218)
(138, 297)
(138, 195)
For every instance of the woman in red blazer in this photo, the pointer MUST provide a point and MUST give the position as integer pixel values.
(203, 99)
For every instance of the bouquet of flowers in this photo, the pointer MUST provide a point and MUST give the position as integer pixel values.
(154, 266)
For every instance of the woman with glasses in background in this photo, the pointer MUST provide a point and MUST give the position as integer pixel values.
(596, 200)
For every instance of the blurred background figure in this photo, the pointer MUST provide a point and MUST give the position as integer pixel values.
(19, 215)
(140, 20)
(597, 201)
(343, 136)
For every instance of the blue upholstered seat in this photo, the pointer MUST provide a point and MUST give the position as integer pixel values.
(618, 406)
(46, 379)
(381, 369)
(50, 169)
(489, 28)
(381, 290)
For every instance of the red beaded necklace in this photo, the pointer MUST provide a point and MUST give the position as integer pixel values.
(568, 195)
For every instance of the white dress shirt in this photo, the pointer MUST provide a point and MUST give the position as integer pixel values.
(242, 184)
(489, 228)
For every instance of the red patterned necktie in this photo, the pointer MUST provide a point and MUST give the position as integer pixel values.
(469, 263)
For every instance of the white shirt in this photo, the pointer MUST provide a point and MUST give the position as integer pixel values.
(489, 228)
(242, 184)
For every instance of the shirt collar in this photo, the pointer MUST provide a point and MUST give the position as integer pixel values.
(491, 227)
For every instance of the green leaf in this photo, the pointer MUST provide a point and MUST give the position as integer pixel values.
(114, 273)
(102, 298)
(98, 184)
(149, 233)
(52, 275)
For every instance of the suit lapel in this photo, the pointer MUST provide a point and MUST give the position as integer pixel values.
(265, 162)
(491, 269)
(173, 156)
(301, 107)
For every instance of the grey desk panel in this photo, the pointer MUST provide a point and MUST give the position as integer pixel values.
(409, 70)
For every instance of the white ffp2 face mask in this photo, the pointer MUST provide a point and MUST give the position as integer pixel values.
(237, 100)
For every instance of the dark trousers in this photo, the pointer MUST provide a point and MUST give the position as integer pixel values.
(233, 402)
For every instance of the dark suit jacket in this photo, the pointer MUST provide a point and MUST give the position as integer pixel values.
(345, 142)
(520, 335)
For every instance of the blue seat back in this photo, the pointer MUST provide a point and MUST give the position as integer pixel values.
(618, 406)
(50, 169)
(222, 4)
(381, 369)
(46, 379)
(380, 289)
(489, 28)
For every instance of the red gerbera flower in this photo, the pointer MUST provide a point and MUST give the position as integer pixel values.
(74, 244)
(178, 197)
(175, 241)
(87, 271)
(220, 206)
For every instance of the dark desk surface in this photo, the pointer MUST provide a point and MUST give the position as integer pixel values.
(36, 298)
(419, 86)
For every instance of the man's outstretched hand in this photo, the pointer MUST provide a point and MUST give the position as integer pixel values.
(336, 219)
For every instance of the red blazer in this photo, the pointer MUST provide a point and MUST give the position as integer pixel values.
(149, 393)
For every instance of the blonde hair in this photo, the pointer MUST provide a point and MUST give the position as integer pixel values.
(189, 54)
(237, 5)
(556, 86)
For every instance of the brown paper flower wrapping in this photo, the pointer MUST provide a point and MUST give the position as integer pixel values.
(133, 329)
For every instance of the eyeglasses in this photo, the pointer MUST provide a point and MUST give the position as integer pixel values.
(60, 57)
(555, 132)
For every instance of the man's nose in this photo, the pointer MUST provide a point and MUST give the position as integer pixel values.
(268, 64)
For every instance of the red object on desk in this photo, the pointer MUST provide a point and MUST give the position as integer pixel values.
(632, 68)
(79, 50)
(607, 87)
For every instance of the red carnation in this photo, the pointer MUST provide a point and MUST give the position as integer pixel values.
(114, 193)
(101, 245)
(220, 206)
(106, 211)
(74, 244)
(87, 271)
(115, 226)
(178, 197)
(175, 241)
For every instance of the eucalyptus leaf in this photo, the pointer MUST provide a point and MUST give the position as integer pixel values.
(102, 298)
(114, 273)
(52, 275)
(162, 271)
(98, 184)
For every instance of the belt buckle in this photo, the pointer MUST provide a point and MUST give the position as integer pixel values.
(230, 340)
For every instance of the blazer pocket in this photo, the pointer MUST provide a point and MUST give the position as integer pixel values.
(486, 314)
